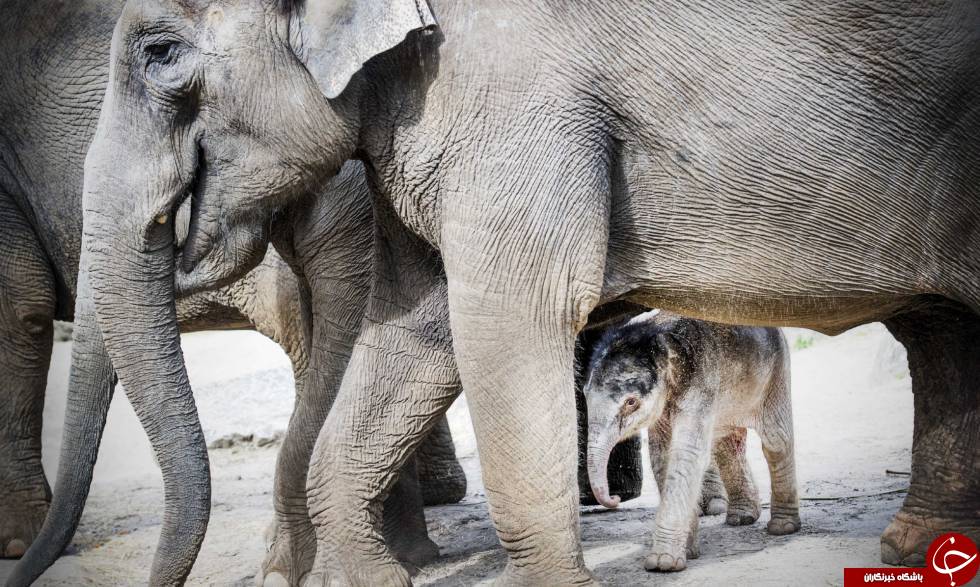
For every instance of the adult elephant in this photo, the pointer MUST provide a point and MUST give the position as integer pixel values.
(807, 164)
(54, 59)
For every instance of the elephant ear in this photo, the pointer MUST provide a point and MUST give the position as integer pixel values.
(338, 36)
(673, 358)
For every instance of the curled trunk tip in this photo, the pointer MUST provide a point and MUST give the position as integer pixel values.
(598, 461)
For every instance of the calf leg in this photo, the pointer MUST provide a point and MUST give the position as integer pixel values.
(688, 457)
(713, 498)
(743, 495)
(776, 432)
(27, 306)
(944, 490)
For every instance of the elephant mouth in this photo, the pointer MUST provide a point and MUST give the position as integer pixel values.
(188, 235)
(214, 243)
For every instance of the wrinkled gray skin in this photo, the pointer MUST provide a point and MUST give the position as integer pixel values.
(696, 387)
(49, 109)
(809, 163)
(55, 63)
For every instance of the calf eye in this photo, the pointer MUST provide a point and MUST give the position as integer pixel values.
(631, 402)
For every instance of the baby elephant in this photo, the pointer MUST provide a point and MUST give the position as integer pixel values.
(697, 387)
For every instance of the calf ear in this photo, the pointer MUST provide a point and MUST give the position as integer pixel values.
(671, 357)
(334, 38)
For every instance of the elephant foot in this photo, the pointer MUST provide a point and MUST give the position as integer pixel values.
(907, 539)
(21, 517)
(523, 576)
(671, 556)
(742, 514)
(714, 497)
(780, 525)
(442, 483)
(288, 560)
(905, 544)
(441, 477)
(414, 552)
(714, 506)
(366, 573)
(665, 562)
(944, 489)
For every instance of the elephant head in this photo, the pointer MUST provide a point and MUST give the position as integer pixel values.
(624, 392)
(239, 107)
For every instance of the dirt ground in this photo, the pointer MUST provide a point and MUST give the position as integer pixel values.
(853, 418)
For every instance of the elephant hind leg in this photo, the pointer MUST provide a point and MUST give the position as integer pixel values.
(403, 521)
(778, 444)
(714, 497)
(27, 306)
(743, 496)
(441, 477)
(944, 492)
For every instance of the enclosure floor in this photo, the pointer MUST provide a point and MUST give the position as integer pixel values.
(852, 411)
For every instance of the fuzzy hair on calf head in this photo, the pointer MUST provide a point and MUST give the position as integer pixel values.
(649, 343)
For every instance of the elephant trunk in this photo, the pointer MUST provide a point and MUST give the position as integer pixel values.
(89, 393)
(133, 288)
(601, 444)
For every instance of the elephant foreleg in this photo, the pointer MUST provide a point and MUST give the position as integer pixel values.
(944, 492)
(317, 329)
(401, 379)
(27, 306)
(522, 282)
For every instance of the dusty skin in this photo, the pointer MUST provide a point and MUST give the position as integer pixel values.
(853, 417)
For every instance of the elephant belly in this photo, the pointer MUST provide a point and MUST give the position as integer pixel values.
(760, 249)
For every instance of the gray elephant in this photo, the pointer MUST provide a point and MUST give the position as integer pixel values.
(695, 387)
(51, 93)
(75, 40)
(49, 113)
(807, 164)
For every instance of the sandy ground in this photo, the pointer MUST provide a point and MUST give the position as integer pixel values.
(853, 418)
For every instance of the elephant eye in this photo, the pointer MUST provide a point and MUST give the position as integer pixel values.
(168, 66)
(162, 52)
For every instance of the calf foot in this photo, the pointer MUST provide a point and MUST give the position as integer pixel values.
(782, 524)
(714, 497)
(714, 506)
(441, 477)
(443, 486)
(21, 517)
(672, 555)
(742, 514)
(665, 561)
